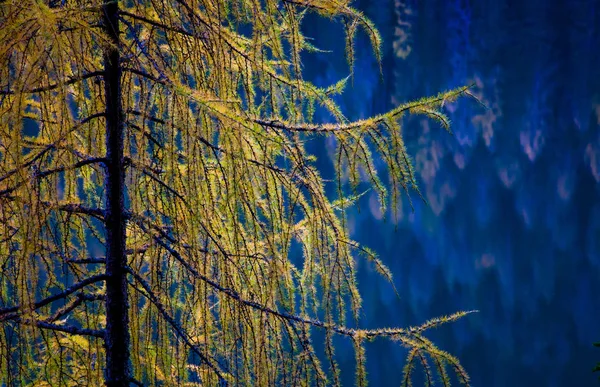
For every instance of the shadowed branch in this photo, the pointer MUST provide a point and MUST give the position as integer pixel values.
(62, 328)
(53, 86)
(12, 313)
(81, 298)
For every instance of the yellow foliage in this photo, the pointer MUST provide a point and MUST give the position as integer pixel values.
(219, 192)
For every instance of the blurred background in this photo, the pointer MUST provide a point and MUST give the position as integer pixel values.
(512, 223)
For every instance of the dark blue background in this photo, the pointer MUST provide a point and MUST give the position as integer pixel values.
(512, 224)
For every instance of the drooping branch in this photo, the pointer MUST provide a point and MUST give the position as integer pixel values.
(85, 160)
(288, 316)
(40, 174)
(159, 25)
(79, 164)
(11, 313)
(377, 120)
(178, 329)
(72, 330)
(85, 261)
(102, 260)
(410, 336)
(365, 333)
(53, 86)
(68, 308)
(76, 208)
(204, 141)
(26, 164)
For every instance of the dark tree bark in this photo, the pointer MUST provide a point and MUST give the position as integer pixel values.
(116, 340)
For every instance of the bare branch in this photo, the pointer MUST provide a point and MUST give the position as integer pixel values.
(146, 75)
(47, 172)
(163, 122)
(142, 166)
(151, 174)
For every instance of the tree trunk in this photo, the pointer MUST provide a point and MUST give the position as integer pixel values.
(116, 341)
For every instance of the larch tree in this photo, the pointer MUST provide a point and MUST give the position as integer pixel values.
(155, 186)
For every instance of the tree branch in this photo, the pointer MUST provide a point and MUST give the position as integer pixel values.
(158, 24)
(102, 260)
(12, 313)
(70, 81)
(179, 330)
(76, 208)
(28, 163)
(81, 298)
(87, 261)
(324, 128)
(62, 328)
(5, 192)
(78, 164)
(136, 382)
(366, 333)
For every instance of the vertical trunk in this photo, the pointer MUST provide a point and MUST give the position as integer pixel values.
(116, 341)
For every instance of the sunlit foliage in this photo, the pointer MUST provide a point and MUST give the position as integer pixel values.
(236, 254)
